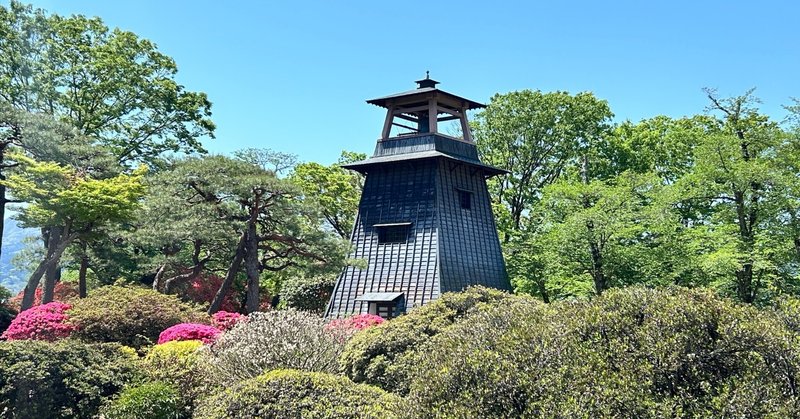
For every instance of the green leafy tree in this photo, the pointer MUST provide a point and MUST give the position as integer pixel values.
(60, 196)
(336, 190)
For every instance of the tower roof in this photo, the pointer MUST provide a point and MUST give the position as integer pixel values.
(425, 87)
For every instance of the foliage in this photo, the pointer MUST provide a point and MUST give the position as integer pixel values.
(273, 340)
(64, 292)
(153, 400)
(308, 294)
(290, 393)
(6, 313)
(129, 315)
(109, 84)
(336, 190)
(635, 352)
(202, 288)
(225, 320)
(177, 363)
(43, 322)
(379, 355)
(66, 379)
(189, 331)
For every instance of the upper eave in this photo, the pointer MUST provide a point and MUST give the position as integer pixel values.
(385, 101)
(364, 165)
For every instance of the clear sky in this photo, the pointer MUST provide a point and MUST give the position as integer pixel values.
(293, 75)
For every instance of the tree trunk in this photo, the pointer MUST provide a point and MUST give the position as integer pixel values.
(51, 275)
(236, 264)
(251, 267)
(33, 281)
(82, 272)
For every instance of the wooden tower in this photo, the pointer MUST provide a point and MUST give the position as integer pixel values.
(425, 223)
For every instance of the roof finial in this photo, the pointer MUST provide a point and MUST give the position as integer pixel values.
(427, 81)
(427, 74)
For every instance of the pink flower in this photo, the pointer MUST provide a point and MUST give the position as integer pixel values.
(225, 320)
(189, 331)
(357, 322)
(43, 322)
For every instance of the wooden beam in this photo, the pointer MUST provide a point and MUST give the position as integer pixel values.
(405, 126)
(387, 123)
(466, 133)
(408, 118)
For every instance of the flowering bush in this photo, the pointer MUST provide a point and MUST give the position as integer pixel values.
(43, 322)
(202, 289)
(131, 316)
(178, 363)
(225, 320)
(357, 322)
(189, 331)
(63, 291)
(272, 340)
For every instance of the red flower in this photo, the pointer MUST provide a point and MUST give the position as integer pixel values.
(43, 322)
(189, 331)
(225, 320)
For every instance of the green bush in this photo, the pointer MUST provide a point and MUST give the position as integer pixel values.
(295, 394)
(177, 363)
(274, 340)
(378, 355)
(6, 313)
(307, 294)
(154, 400)
(128, 315)
(630, 353)
(66, 379)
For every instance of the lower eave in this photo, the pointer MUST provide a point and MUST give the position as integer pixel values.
(364, 165)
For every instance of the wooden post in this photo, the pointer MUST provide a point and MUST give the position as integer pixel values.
(465, 125)
(432, 116)
(387, 123)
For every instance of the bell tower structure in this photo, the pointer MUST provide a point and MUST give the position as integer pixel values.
(425, 223)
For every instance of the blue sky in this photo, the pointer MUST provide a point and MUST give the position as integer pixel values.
(293, 75)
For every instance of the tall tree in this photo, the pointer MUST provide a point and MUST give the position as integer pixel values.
(336, 190)
(60, 196)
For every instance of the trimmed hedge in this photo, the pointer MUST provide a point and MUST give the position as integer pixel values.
(129, 315)
(152, 400)
(293, 394)
(177, 363)
(379, 355)
(66, 379)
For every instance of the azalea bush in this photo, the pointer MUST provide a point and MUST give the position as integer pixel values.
(273, 340)
(295, 394)
(153, 400)
(225, 320)
(43, 322)
(308, 293)
(63, 291)
(189, 331)
(65, 379)
(130, 315)
(177, 363)
(357, 322)
(203, 288)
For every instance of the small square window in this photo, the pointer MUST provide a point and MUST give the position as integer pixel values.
(393, 233)
(465, 199)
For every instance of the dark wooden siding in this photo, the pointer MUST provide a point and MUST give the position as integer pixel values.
(401, 192)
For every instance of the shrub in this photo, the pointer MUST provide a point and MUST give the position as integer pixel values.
(131, 316)
(630, 353)
(377, 355)
(357, 322)
(6, 312)
(225, 320)
(178, 363)
(289, 393)
(65, 379)
(152, 400)
(273, 340)
(44, 322)
(307, 294)
(63, 291)
(189, 331)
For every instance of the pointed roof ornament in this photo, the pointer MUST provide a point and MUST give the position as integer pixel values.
(426, 82)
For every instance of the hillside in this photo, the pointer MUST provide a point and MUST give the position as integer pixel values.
(13, 241)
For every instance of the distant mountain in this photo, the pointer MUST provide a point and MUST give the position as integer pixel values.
(13, 241)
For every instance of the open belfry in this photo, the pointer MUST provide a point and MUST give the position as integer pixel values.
(425, 223)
